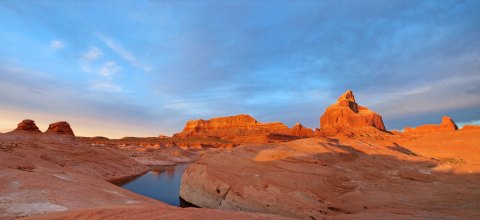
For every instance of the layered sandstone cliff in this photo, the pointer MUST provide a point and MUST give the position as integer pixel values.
(233, 127)
(447, 124)
(347, 114)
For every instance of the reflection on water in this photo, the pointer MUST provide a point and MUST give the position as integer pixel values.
(162, 184)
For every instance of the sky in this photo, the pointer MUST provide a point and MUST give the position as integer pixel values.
(144, 68)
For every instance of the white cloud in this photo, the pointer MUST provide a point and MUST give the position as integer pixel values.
(92, 54)
(56, 44)
(123, 53)
(107, 86)
(109, 69)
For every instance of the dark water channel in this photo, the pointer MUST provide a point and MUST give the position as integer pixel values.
(161, 184)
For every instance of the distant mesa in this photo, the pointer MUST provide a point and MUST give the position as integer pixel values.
(447, 124)
(347, 114)
(231, 127)
(161, 137)
(27, 125)
(61, 127)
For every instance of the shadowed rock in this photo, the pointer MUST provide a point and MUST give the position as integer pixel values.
(61, 127)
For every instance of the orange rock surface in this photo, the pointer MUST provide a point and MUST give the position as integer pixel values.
(243, 129)
(66, 177)
(301, 131)
(347, 114)
(404, 176)
(231, 126)
(471, 127)
(27, 125)
(61, 127)
(447, 124)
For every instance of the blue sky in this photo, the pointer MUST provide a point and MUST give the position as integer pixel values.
(142, 68)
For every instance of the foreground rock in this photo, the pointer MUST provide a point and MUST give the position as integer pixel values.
(151, 211)
(43, 173)
(27, 125)
(447, 124)
(346, 114)
(68, 178)
(61, 127)
(242, 129)
(343, 177)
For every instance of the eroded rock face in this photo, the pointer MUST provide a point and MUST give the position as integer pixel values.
(241, 129)
(347, 114)
(341, 177)
(66, 178)
(231, 127)
(447, 124)
(27, 125)
(61, 127)
(301, 131)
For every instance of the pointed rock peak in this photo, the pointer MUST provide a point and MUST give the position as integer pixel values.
(27, 125)
(347, 100)
(347, 114)
(448, 122)
(348, 96)
(298, 125)
(302, 131)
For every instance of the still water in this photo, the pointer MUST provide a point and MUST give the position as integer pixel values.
(161, 184)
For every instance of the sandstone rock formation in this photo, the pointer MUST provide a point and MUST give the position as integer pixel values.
(346, 114)
(27, 125)
(61, 127)
(243, 129)
(301, 131)
(230, 126)
(66, 178)
(153, 211)
(447, 124)
(433, 176)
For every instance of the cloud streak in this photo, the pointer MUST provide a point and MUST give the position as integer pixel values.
(123, 53)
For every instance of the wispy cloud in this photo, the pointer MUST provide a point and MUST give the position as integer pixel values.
(92, 54)
(123, 53)
(106, 86)
(56, 44)
(109, 69)
(104, 72)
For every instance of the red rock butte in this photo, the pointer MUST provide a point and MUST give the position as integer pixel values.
(347, 114)
(447, 124)
(27, 125)
(61, 127)
(238, 125)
